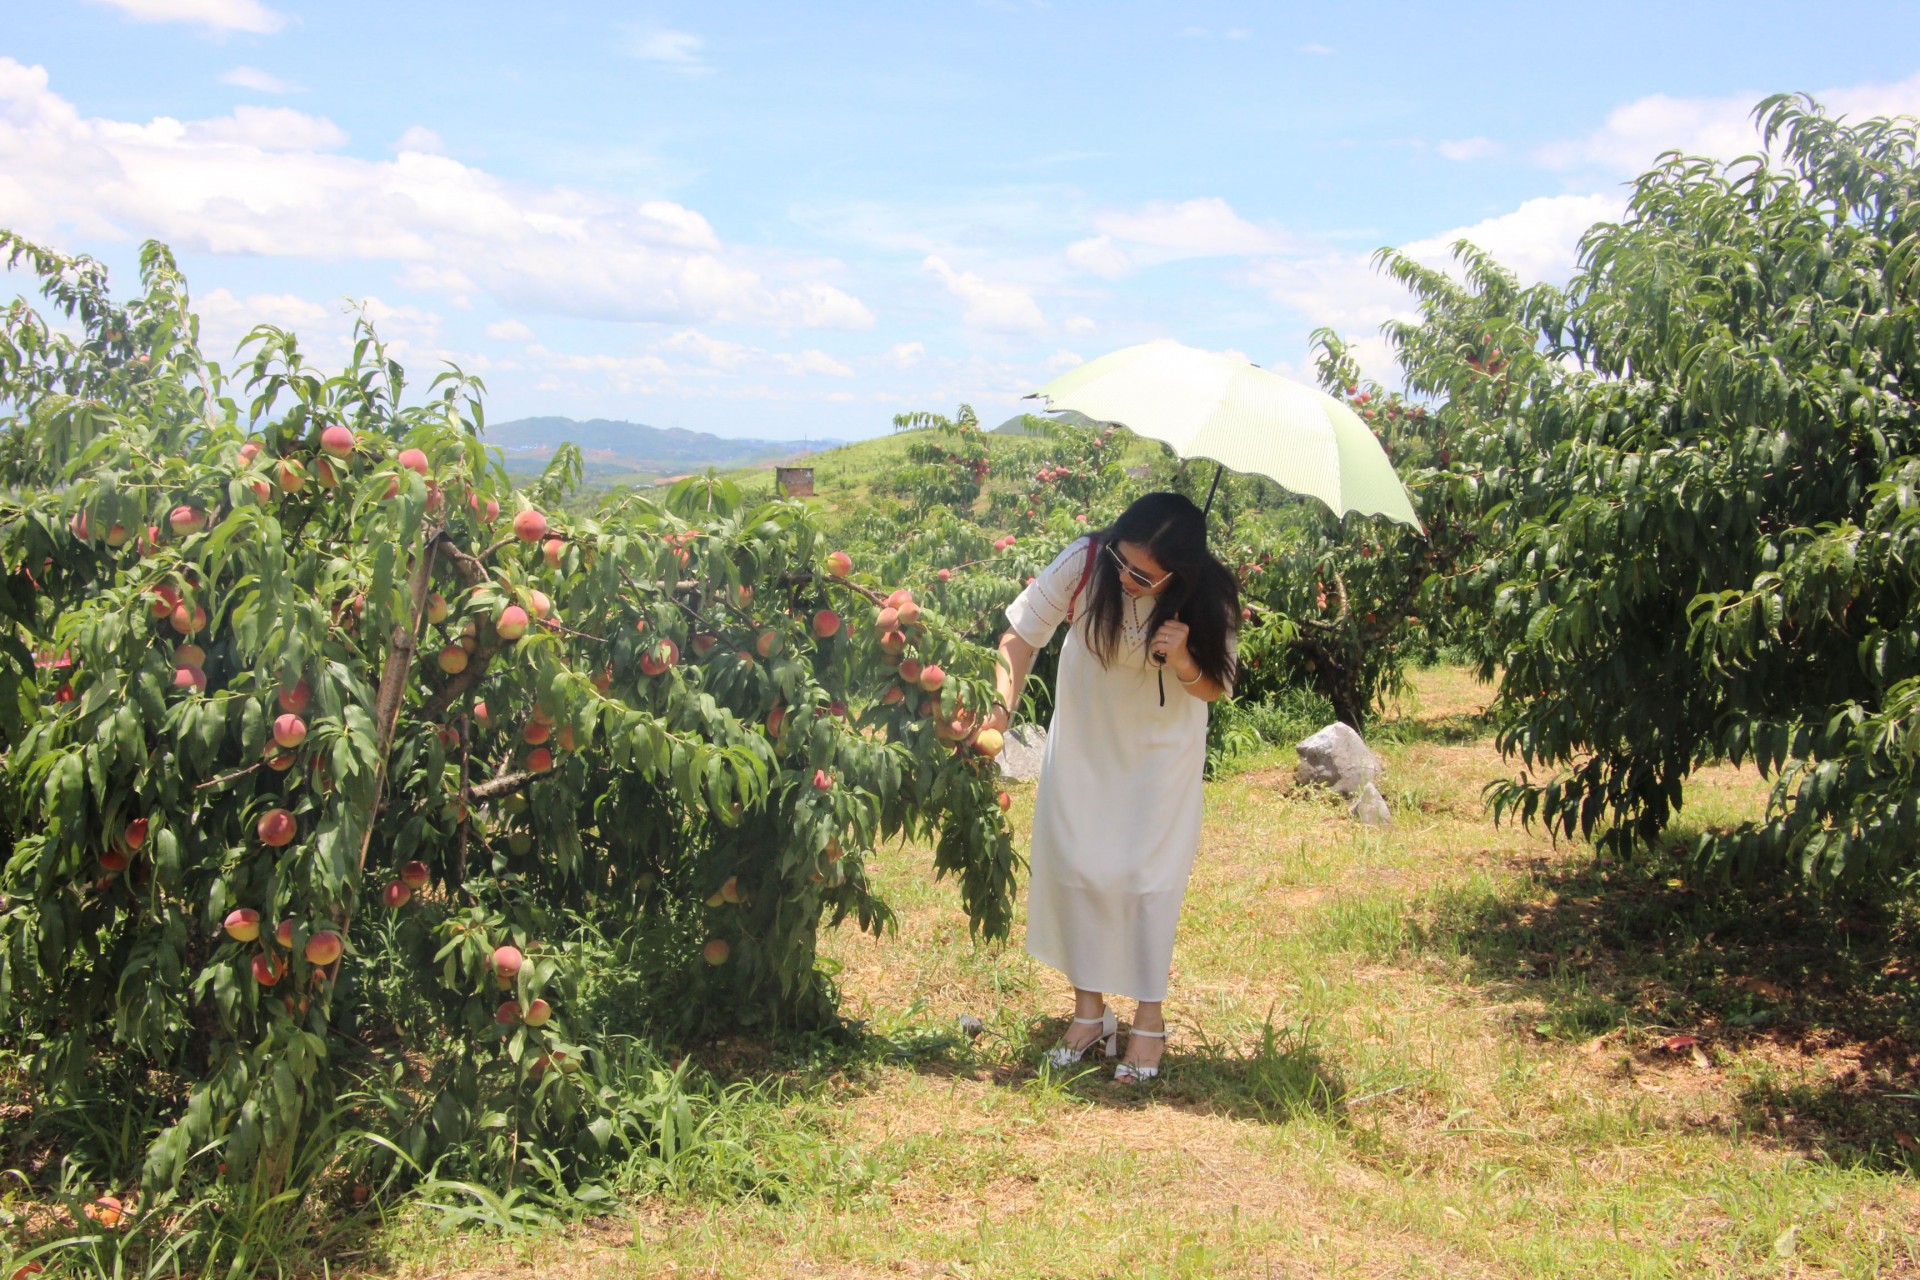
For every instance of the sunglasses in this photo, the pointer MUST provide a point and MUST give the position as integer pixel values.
(1138, 578)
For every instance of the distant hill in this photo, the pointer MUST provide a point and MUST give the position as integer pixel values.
(633, 448)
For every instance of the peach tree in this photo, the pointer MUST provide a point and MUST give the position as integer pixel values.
(1692, 473)
(328, 753)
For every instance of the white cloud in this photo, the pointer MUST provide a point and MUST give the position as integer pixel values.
(256, 79)
(1100, 256)
(904, 355)
(997, 306)
(420, 138)
(1636, 133)
(509, 331)
(1468, 148)
(1317, 50)
(1239, 33)
(811, 361)
(264, 181)
(677, 50)
(219, 15)
(260, 128)
(1080, 324)
(1206, 227)
(1064, 359)
(1537, 241)
(716, 352)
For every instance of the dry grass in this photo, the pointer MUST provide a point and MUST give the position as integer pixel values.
(1435, 1051)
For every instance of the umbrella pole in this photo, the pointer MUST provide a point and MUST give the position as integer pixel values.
(1208, 509)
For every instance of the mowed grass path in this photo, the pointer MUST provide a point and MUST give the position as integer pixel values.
(1443, 1050)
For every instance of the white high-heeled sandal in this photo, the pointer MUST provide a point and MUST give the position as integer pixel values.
(1133, 1073)
(1108, 1039)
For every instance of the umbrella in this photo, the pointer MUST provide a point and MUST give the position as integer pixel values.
(1240, 416)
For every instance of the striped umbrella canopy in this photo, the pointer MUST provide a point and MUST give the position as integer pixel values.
(1204, 404)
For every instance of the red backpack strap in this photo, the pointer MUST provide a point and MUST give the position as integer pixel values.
(1086, 574)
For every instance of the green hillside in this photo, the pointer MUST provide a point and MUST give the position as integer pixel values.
(854, 475)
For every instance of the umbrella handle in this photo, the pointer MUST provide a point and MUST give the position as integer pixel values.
(1208, 509)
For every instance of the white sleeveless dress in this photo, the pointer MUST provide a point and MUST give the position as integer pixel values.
(1116, 823)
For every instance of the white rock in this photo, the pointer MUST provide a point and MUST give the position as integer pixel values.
(1337, 757)
(1023, 752)
(1370, 807)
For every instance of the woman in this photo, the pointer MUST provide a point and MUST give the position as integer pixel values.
(1151, 621)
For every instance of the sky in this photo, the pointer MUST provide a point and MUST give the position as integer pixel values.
(794, 222)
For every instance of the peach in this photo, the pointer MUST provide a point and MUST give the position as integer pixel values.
(413, 460)
(415, 875)
(267, 969)
(276, 828)
(512, 623)
(840, 563)
(716, 951)
(826, 623)
(242, 924)
(537, 1014)
(295, 697)
(337, 442)
(452, 659)
(539, 760)
(289, 730)
(507, 961)
(396, 895)
(323, 948)
(530, 526)
(188, 619)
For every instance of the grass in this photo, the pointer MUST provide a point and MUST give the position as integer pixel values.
(1441, 1050)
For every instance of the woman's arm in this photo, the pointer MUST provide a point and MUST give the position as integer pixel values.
(1016, 663)
(1204, 688)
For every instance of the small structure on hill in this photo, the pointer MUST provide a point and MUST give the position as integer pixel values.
(795, 482)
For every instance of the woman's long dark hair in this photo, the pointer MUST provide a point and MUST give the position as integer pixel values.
(1201, 593)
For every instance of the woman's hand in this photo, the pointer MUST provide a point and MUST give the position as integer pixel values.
(1170, 642)
(998, 719)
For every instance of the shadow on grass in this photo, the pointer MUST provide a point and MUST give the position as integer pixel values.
(1812, 1006)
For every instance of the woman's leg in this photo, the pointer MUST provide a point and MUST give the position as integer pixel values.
(1145, 1051)
(1086, 1004)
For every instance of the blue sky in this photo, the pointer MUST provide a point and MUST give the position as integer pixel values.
(764, 220)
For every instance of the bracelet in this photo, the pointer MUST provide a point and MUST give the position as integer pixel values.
(1198, 676)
